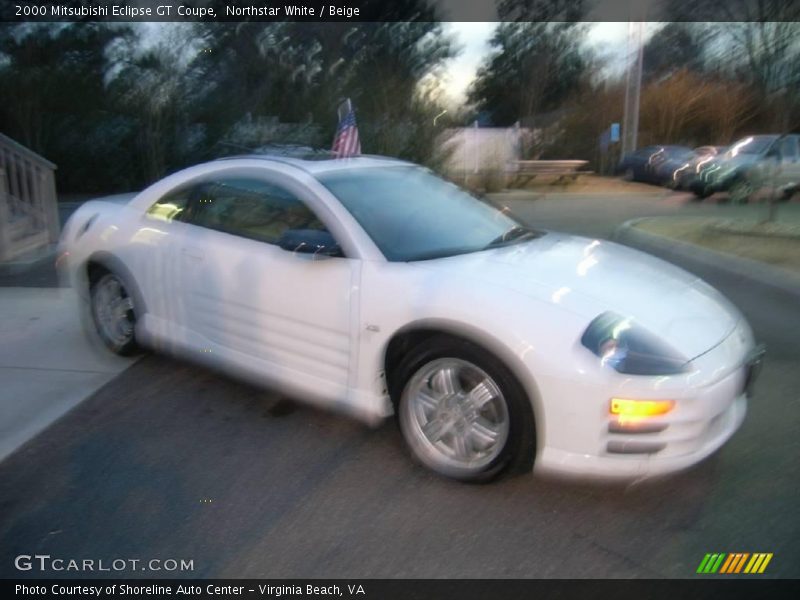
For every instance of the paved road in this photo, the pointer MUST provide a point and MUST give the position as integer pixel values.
(173, 461)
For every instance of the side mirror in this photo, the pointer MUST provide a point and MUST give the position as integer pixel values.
(310, 241)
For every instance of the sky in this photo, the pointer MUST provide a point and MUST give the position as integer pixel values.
(607, 39)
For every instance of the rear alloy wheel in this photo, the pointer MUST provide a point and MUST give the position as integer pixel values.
(113, 314)
(740, 191)
(462, 414)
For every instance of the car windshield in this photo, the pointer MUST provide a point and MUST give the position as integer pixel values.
(751, 145)
(681, 153)
(411, 214)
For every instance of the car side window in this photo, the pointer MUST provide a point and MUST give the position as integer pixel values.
(172, 206)
(252, 209)
(788, 149)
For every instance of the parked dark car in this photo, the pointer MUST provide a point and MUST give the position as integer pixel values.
(654, 164)
(750, 164)
(685, 175)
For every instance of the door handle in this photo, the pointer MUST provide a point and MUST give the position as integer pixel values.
(193, 253)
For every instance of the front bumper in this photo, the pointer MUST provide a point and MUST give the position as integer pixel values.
(711, 182)
(703, 419)
(681, 451)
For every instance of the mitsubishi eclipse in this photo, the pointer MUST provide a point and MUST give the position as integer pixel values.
(371, 286)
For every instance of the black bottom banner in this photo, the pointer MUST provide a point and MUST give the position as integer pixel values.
(407, 589)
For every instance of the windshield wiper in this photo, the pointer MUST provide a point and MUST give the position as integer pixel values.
(438, 253)
(513, 235)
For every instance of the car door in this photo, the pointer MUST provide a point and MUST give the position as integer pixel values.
(271, 312)
(789, 170)
(161, 238)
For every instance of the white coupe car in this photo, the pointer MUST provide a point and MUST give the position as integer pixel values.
(372, 286)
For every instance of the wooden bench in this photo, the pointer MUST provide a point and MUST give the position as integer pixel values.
(564, 171)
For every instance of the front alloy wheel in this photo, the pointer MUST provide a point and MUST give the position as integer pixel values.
(455, 416)
(113, 314)
(462, 414)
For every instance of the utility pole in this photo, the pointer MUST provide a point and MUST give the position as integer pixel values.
(633, 86)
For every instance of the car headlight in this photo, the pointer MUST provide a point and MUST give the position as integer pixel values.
(629, 348)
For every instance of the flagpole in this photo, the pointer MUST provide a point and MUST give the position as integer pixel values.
(344, 108)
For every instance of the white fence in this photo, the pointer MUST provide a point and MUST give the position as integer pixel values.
(480, 149)
(28, 206)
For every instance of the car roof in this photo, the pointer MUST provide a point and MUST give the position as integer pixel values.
(762, 136)
(317, 165)
(660, 147)
(673, 148)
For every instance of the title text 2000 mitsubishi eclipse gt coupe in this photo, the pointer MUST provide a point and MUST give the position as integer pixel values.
(371, 285)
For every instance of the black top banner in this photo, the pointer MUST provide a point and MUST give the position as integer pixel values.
(397, 10)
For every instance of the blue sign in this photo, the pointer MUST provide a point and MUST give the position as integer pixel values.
(615, 132)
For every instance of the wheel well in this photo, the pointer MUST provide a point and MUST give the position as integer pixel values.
(399, 346)
(404, 342)
(94, 271)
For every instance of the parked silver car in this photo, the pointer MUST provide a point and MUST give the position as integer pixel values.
(751, 164)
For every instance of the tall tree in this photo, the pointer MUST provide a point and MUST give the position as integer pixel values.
(149, 90)
(534, 67)
(542, 10)
(57, 75)
(383, 77)
(759, 44)
(141, 105)
(674, 47)
(299, 72)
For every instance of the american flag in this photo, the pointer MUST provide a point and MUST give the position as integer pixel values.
(346, 142)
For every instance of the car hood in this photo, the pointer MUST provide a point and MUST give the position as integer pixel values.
(728, 163)
(588, 277)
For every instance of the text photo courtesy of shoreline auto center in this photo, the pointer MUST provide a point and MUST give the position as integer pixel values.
(417, 299)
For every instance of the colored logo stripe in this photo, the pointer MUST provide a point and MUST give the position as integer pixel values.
(710, 563)
(758, 563)
(734, 562)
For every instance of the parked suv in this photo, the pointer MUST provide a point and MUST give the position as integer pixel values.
(750, 164)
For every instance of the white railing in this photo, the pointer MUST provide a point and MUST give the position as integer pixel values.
(523, 171)
(28, 206)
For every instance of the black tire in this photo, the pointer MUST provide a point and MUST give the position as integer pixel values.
(788, 193)
(512, 452)
(700, 193)
(740, 191)
(122, 338)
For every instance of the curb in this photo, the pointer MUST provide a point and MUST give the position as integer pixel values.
(659, 194)
(557, 194)
(760, 272)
